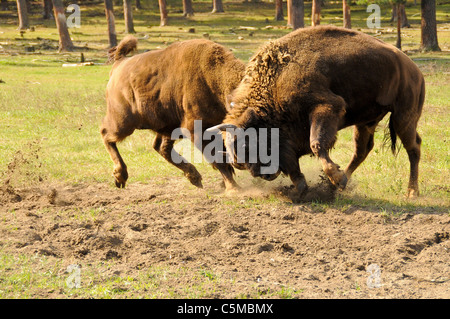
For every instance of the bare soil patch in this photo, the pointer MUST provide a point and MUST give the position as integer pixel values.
(255, 244)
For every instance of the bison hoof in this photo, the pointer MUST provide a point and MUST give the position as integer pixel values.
(339, 180)
(195, 179)
(197, 184)
(120, 184)
(301, 188)
(120, 177)
(343, 183)
(232, 191)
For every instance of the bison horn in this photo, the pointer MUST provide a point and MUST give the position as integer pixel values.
(221, 127)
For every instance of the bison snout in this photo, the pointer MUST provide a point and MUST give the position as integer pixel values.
(269, 177)
(266, 177)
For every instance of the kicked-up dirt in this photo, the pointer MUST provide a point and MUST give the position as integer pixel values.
(254, 243)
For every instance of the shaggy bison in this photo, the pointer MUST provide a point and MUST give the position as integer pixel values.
(167, 89)
(315, 81)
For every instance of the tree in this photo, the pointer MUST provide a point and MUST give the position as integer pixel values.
(429, 40)
(397, 6)
(4, 5)
(65, 42)
(23, 14)
(217, 6)
(399, 26)
(163, 12)
(347, 14)
(109, 12)
(128, 15)
(401, 19)
(188, 11)
(48, 7)
(315, 12)
(404, 23)
(296, 13)
(279, 10)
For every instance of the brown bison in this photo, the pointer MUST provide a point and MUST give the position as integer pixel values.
(315, 81)
(167, 89)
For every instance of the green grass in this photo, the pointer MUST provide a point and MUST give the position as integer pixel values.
(35, 276)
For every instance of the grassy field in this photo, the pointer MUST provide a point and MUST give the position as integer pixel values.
(50, 117)
(61, 108)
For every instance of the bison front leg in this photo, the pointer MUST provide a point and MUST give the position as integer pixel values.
(325, 119)
(164, 146)
(299, 181)
(292, 169)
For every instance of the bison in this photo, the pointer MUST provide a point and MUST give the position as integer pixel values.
(166, 89)
(315, 81)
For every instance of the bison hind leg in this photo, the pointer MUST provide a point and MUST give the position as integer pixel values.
(227, 172)
(164, 146)
(226, 169)
(113, 131)
(363, 144)
(411, 141)
(110, 138)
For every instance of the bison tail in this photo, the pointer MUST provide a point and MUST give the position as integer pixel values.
(126, 46)
(393, 136)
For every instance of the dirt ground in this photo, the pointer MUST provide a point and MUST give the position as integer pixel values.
(251, 242)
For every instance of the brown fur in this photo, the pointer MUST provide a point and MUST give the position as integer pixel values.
(315, 81)
(167, 89)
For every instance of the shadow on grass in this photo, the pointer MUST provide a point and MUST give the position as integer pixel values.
(326, 195)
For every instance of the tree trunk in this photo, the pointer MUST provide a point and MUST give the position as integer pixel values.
(399, 27)
(315, 12)
(217, 6)
(128, 15)
(4, 5)
(405, 23)
(429, 40)
(138, 4)
(48, 7)
(347, 14)
(23, 14)
(188, 11)
(296, 14)
(393, 13)
(109, 12)
(163, 12)
(65, 43)
(279, 16)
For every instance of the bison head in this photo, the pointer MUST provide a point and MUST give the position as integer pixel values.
(253, 149)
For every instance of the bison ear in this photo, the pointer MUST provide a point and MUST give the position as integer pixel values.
(221, 127)
(249, 117)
